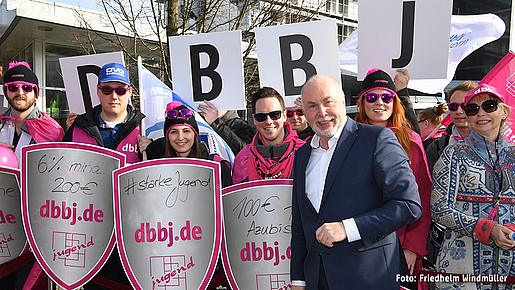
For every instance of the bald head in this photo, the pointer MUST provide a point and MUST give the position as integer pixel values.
(326, 81)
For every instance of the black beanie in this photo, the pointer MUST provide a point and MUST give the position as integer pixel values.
(20, 72)
(169, 123)
(377, 79)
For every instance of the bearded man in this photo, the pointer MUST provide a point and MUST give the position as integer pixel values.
(23, 123)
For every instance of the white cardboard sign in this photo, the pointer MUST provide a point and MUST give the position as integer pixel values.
(412, 34)
(80, 75)
(209, 67)
(288, 55)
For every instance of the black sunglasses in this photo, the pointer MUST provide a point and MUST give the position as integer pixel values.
(386, 97)
(107, 90)
(454, 106)
(488, 106)
(274, 115)
(291, 113)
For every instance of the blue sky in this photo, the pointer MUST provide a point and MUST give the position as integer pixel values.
(90, 4)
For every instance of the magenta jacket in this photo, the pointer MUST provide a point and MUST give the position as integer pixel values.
(414, 236)
(85, 130)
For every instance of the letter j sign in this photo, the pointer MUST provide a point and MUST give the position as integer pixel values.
(411, 34)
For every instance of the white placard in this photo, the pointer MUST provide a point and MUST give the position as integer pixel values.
(80, 75)
(413, 34)
(209, 67)
(290, 54)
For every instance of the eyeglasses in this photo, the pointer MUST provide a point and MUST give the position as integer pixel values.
(422, 120)
(291, 113)
(174, 114)
(274, 115)
(25, 87)
(107, 90)
(386, 97)
(454, 106)
(488, 106)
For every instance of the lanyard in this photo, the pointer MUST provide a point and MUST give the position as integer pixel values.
(495, 167)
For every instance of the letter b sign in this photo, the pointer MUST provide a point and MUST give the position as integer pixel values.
(302, 63)
(198, 72)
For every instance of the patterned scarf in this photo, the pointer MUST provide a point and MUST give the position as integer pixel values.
(265, 168)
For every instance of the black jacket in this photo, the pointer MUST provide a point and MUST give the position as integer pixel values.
(87, 123)
(435, 149)
(403, 95)
(306, 133)
(236, 132)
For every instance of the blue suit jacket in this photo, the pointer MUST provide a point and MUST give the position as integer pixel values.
(368, 179)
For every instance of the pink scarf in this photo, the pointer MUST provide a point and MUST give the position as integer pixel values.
(44, 129)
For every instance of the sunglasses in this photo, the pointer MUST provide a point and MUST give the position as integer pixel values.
(274, 115)
(386, 97)
(174, 114)
(488, 106)
(291, 113)
(454, 106)
(107, 90)
(26, 88)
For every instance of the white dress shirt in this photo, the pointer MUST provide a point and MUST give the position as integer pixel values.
(316, 173)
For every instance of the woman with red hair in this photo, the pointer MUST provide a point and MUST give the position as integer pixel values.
(379, 105)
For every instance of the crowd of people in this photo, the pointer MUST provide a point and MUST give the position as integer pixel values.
(373, 198)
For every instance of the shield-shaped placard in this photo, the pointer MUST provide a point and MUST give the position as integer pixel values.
(67, 200)
(169, 222)
(256, 239)
(12, 236)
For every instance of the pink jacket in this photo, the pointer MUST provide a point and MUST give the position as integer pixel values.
(414, 236)
(128, 146)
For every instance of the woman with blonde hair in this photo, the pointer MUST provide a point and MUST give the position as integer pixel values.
(473, 195)
(379, 105)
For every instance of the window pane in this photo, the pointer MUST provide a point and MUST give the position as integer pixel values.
(57, 106)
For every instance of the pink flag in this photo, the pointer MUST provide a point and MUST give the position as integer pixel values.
(502, 77)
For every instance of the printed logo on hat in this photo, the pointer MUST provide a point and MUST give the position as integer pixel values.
(381, 81)
(484, 89)
(115, 71)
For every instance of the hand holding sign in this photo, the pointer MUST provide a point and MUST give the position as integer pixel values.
(175, 239)
(68, 208)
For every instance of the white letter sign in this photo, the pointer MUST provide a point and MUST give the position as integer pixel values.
(288, 55)
(396, 34)
(80, 75)
(209, 67)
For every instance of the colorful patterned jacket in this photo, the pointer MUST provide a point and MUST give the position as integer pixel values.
(466, 181)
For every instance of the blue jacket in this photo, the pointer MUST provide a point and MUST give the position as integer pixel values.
(368, 179)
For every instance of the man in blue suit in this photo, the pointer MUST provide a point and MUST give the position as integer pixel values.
(353, 189)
